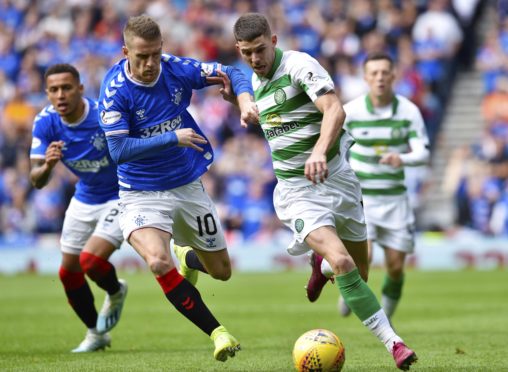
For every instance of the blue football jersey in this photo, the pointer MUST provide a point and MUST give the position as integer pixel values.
(85, 152)
(130, 108)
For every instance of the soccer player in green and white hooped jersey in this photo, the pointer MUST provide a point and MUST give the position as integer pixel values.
(389, 134)
(317, 195)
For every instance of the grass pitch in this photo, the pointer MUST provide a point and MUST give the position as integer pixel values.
(455, 321)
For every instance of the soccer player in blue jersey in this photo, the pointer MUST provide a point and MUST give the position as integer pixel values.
(68, 131)
(161, 154)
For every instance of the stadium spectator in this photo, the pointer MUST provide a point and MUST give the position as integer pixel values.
(401, 141)
(93, 52)
(161, 153)
(68, 131)
(317, 195)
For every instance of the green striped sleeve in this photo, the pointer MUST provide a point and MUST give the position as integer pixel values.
(389, 191)
(399, 176)
(379, 123)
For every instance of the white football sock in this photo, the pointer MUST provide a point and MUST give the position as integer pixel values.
(389, 305)
(326, 269)
(380, 326)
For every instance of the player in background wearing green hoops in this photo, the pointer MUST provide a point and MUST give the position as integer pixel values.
(389, 134)
(317, 195)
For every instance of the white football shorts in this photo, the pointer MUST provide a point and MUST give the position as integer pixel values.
(390, 221)
(186, 212)
(84, 220)
(336, 202)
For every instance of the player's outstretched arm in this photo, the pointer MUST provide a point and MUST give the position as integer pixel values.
(249, 113)
(124, 149)
(40, 171)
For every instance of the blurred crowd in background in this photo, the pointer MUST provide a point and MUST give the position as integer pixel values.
(478, 173)
(429, 39)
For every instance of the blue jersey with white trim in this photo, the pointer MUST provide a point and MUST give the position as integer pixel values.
(85, 152)
(130, 108)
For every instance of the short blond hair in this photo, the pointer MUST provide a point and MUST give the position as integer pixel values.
(143, 27)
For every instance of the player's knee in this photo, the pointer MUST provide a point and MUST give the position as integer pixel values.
(342, 263)
(158, 265)
(86, 261)
(395, 271)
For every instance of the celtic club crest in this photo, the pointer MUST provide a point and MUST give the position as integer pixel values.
(279, 96)
(299, 225)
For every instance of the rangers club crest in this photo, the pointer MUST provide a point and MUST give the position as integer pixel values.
(98, 141)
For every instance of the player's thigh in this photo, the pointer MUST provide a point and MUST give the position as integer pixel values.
(196, 220)
(79, 223)
(153, 245)
(325, 242)
(216, 263)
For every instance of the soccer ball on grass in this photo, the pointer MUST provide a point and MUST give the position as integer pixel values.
(319, 350)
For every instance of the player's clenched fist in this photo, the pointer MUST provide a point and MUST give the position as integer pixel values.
(188, 137)
(249, 113)
(54, 153)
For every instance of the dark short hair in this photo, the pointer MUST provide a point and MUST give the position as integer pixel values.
(250, 26)
(61, 68)
(378, 56)
(141, 26)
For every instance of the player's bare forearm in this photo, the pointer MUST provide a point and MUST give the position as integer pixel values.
(40, 173)
(316, 166)
(333, 119)
(248, 109)
(41, 168)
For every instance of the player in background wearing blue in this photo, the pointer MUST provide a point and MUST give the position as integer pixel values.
(68, 131)
(161, 154)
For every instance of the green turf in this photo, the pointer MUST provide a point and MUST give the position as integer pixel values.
(456, 321)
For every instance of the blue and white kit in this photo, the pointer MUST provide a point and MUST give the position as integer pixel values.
(139, 120)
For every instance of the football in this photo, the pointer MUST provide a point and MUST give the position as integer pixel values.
(319, 350)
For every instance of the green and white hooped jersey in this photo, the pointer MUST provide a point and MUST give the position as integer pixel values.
(380, 130)
(290, 121)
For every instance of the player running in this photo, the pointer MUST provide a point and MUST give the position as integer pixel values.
(161, 154)
(317, 195)
(389, 134)
(68, 131)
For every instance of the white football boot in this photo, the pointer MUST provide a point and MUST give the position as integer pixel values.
(111, 310)
(93, 341)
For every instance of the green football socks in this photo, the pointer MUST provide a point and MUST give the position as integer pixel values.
(357, 294)
(391, 293)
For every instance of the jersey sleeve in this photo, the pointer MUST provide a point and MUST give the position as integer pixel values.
(311, 76)
(418, 141)
(348, 118)
(114, 112)
(40, 138)
(417, 128)
(196, 73)
(191, 70)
